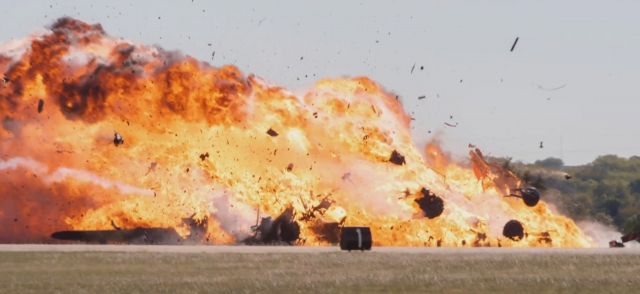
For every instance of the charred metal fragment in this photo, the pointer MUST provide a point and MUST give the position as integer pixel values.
(138, 235)
(615, 244)
(397, 158)
(290, 167)
(355, 238)
(514, 44)
(272, 133)
(117, 139)
(133, 236)
(530, 195)
(284, 229)
(204, 156)
(513, 230)
(40, 105)
(625, 238)
(431, 205)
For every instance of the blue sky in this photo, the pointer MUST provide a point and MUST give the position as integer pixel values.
(501, 105)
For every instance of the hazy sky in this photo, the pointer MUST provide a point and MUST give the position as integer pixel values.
(592, 47)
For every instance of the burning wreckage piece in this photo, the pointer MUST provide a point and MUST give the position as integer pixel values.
(397, 158)
(530, 195)
(117, 139)
(626, 238)
(151, 236)
(283, 230)
(513, 230)
(432, 206)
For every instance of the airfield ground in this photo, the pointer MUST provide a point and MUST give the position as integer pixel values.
(242, 269)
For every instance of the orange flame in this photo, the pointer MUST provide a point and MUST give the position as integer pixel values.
(196, 142)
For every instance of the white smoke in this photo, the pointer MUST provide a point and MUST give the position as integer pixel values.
(62, 173)
(602, 234)
(235, 217)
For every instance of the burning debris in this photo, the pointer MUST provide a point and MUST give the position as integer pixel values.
(432, 206)
(117, 139)
(625, 238)
(513, 230)
(355, 238)
(397, 158)
(530, 195)
(204, 156)
(272, 133)
(151, 236)
(40, 105)
(283, 230)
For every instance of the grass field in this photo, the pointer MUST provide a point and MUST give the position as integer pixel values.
(324, 270)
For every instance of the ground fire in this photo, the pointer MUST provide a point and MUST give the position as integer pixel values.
(103, 140)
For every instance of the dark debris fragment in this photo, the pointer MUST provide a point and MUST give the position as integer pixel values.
(272, 133)
(40, 105)
(117, 139)
(431, 205)
(397, 158)
(513, 230)
(514, 44)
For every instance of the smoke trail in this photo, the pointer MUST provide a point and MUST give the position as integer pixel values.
(62, 173)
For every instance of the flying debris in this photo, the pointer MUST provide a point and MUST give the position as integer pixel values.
(530, 195)
(451, 125)
(397, 158)
(272, 133)
(551, 89)
(567, 176)
(514, 44)
(355, 238)
(413, 67)
(541, 145)
(290, 167)
(204, 156)
(117, 139)
(513, 230)
(40, 105)
(5, 80)
(421, 97)
(431, 205)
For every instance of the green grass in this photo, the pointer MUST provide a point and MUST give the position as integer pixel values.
(357, 272)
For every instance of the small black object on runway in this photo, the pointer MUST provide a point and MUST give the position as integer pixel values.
(355, 238)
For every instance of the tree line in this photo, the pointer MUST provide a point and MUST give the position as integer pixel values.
(606, 190)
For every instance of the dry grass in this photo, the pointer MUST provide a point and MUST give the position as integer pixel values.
(450, 272)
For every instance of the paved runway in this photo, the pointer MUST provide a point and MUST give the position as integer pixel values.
(299, 249)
